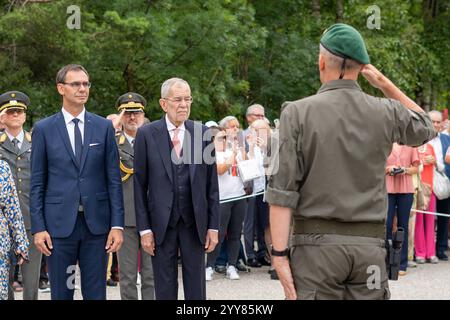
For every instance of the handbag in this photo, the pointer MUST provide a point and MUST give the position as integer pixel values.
(441, 185)
(423, 196)
(249, 170)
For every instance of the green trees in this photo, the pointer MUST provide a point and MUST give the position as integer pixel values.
(232, 52)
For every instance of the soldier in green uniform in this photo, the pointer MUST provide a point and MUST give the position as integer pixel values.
(15, 149)
(131, 107)
(331, 178)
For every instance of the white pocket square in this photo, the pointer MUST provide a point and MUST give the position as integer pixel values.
(94, 144)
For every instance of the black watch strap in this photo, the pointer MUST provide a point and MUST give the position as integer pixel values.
(284, 253)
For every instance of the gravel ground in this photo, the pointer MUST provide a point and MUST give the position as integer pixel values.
(427, 281)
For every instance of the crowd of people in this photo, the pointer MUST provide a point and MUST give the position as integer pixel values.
(410, 179)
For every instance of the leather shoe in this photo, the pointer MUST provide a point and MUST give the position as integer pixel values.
(263, 261)
(273, 274)
(253, 263)
(442, 256)
(220, 269)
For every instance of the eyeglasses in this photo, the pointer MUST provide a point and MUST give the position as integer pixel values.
(13, 111)
(179, 99)
(77, 85)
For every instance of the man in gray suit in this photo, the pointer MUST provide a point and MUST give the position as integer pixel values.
(15, 149)
(131, 108)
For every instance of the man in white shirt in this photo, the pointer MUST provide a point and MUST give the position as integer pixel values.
(77, 212)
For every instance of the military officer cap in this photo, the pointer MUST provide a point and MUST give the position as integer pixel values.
(131, 101)
(14, 100)
(346, 42)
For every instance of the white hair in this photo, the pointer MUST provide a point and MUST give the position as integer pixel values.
(224, 122)
(438, 113)
(253, 107)
(335, 62)
(169, 83)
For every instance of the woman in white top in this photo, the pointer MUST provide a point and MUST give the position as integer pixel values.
(230, 186)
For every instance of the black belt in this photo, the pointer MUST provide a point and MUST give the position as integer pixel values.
(358, 229)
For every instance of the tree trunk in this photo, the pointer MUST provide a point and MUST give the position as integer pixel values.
(339, 11)
(315, 6)
(128, 76)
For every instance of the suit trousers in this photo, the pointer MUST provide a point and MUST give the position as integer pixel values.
(165, 264)
(31, 271)
(89, 251)
(128, 266)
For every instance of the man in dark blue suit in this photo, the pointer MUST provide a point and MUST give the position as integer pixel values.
(176, 194)
(77, 211)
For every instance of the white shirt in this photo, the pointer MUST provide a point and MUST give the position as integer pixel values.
(259, 184)
(19, 137)
(229, 186)
(437, 146)
(129, 138)
(70, 125)
(171, 127)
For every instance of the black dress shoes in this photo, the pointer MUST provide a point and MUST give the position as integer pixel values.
(263, 261)
(253, 263)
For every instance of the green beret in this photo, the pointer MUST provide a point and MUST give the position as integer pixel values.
(346, 42)
(131, 101)
(14, 100)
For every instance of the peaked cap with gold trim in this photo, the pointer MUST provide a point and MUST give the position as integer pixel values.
(14, 100)
(131, 101)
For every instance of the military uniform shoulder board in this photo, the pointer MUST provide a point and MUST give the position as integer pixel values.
(3, 137)
(28, 136)
(122, 140)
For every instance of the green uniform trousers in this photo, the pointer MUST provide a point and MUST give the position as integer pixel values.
(336, 267)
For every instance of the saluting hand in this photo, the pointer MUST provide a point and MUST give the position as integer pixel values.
(114, 241)
(374, 76)
(43, 242)
(283, 269)
(148, 243)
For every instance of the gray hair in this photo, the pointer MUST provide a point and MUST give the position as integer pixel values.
(61, 75)
(335, 62)
(253, 107)
(224, 122)
(169, 83)
(436, 112)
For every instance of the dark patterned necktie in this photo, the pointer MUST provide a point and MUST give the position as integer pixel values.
(15, 143)
(78, 141)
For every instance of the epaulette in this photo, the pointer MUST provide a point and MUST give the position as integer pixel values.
(28, 136)
(3, 137)
(122, 140)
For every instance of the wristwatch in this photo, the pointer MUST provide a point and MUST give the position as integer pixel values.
(284, 253)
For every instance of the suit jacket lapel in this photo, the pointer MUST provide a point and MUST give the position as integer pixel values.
(9, 146)
(160, 136)
(87, 138)
(188, 147)
(127, 148)
(25, 146)
(62, 128)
